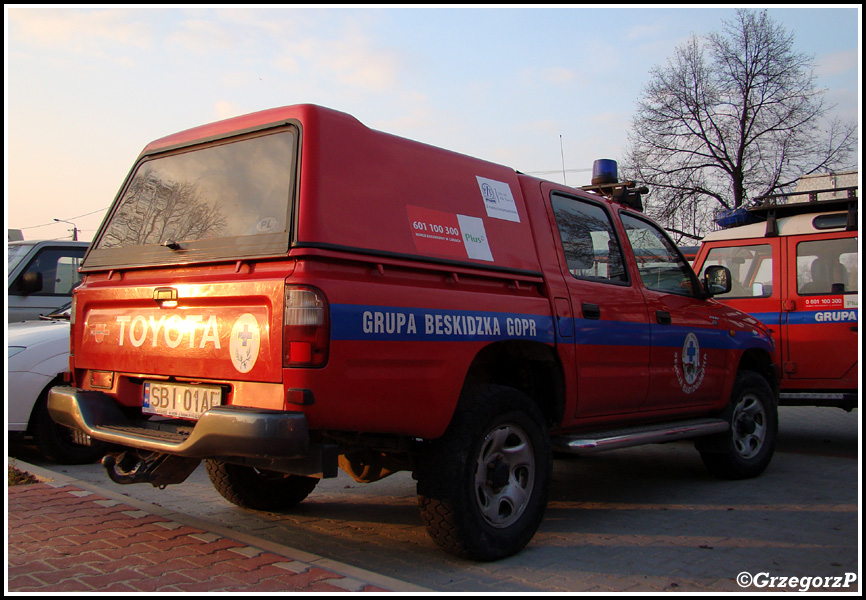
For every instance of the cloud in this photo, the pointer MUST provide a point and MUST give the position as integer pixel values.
(558, 75)
(604, 118)
(645, 30)
(352, 60)
(547, 126)
(226, 110)
(837, 63)
(411, 113)
(201, 37)
(553, 75)
(78, 30)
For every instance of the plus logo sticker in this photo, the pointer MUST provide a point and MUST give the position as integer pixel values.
(245, 342)
(689, 366)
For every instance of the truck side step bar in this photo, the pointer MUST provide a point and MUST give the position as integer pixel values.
(611, 439)
(844, 400)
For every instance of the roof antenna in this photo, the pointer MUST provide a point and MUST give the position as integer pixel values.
(562, 154)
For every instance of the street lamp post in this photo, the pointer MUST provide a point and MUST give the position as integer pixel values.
(74, 229)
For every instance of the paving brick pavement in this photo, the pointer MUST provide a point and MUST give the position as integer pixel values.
(61, 538)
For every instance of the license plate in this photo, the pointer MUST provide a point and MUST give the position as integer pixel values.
(179, 400)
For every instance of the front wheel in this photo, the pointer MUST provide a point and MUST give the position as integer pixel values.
(483, 486)
(745, 450)
(256, 488)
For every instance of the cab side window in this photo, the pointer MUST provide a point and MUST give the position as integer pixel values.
(751, 269)
(588, 240)
(661, 266)
(827, 267)
(52, 272)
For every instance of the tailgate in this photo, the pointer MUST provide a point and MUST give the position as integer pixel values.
(214, 331)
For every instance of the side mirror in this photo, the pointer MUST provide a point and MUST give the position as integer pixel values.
(717, 280)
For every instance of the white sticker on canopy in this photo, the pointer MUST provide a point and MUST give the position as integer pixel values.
(474, 237)
(498, 199)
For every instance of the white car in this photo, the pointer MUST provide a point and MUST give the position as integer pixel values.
(38, 356)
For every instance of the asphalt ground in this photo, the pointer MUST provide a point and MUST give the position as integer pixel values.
(640, 520)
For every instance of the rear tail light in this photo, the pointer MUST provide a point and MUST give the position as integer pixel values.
(306, 328)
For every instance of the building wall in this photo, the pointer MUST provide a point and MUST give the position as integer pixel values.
(825, 181)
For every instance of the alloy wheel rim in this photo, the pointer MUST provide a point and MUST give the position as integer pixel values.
(504, 475)
(749, 426)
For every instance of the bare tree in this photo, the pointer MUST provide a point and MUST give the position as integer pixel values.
(732, 116)
(156, 210)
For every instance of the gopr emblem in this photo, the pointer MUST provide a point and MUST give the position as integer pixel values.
(245, 342)
(690, 366)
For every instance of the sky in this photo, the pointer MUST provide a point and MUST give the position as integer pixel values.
(540, 89)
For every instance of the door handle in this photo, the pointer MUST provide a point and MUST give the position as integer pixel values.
(591, 311)
(663, 317)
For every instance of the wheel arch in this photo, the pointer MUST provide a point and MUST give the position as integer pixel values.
(40, 404)
(530, 367)
(760, 362)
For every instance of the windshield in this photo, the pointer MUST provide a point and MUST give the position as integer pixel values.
(16, 253)
(208, 202)
(751, 269)
(661, 266)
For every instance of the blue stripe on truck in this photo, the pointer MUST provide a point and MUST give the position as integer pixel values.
(355, 322)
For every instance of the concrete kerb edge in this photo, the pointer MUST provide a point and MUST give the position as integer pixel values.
(362, 576)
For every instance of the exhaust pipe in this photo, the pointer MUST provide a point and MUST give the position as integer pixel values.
(155, 468)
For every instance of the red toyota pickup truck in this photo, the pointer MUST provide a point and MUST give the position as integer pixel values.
(288, 293)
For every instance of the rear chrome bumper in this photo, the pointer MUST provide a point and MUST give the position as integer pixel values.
(223, 431)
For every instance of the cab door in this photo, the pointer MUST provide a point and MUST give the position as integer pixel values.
(611, 329)
(690, 352)
(820, 320)
(756, 275)
(46, 282)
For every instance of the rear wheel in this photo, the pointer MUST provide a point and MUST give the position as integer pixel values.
(258, 489)
(483, 486)
(62, 444)
(746, 448)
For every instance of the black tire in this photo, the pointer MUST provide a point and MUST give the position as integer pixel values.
(61, 444)
(249, 487)
(483, 486)
(746, 449)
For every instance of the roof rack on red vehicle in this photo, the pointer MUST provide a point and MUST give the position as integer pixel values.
(776, 206)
